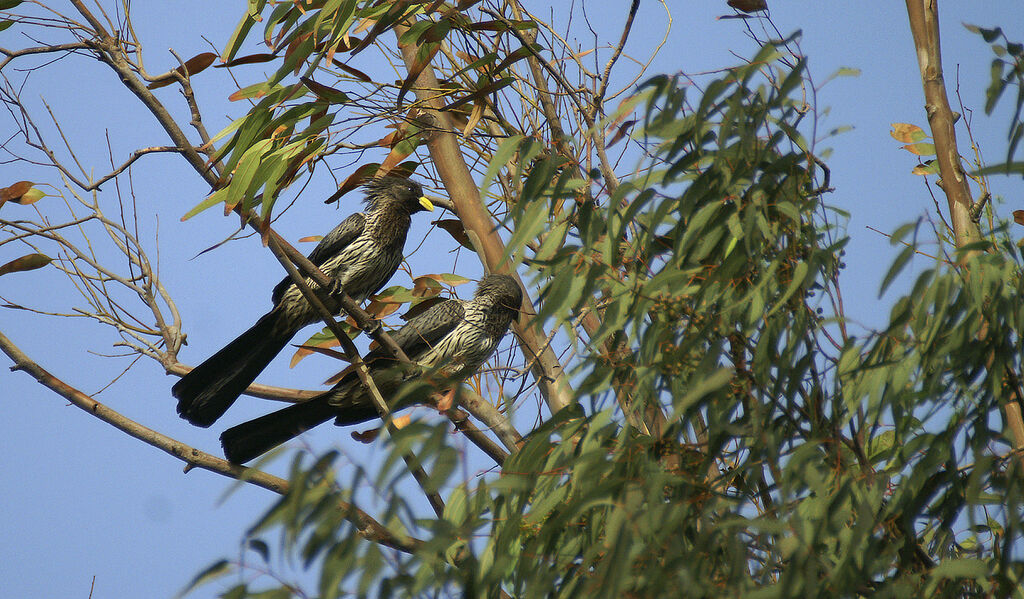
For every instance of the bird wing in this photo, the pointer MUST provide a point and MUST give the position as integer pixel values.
(332, 243)
(424, 331)
(416, 337)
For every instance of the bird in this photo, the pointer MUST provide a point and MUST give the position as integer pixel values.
(360, 255)
(447, 343)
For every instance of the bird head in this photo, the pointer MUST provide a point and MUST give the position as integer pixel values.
(404, 192)
(503, 288)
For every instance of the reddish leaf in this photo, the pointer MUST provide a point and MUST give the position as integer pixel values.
(27, 262)
(380, 310)
(334, 96)
(399, 152)
(192, 66)
(368, 436)
(14, 192)
(295, 43)
(454, 228)
(502, 25)
(622, 131)
(321, 343)
(250, 59)
(352, 71)
(907, 133)
(1018, 217)
(353, 181)
(748, 6)
(252, 91)
(305, 350)
(425, 287)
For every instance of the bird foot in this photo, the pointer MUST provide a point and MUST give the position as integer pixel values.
(335, 290)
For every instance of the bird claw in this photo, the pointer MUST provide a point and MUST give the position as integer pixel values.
(335, 290)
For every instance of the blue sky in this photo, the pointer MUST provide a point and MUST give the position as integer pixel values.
(84, 500)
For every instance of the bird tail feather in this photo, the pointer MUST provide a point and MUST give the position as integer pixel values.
(205, 393)
(254, 438)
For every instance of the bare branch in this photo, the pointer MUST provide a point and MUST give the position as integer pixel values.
(368, 528)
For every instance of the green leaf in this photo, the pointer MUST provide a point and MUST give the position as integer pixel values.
(797, 282)
(211, 200)
(455, 508)
(213, 572)
(703, 387)
(238, 37)
(968, 567)
(1006, 168)
(921, 148)
(242, 186)
(897, 266)
(501, 158)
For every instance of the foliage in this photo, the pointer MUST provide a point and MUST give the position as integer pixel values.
(729, 439)
(1007, 71)
(727, 434)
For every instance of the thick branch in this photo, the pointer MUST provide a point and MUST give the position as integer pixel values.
(458, 181)
(924, 25)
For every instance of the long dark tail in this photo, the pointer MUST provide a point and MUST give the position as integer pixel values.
(254, 438)
(205, 393)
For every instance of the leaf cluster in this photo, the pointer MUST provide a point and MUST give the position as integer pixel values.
(730, 438)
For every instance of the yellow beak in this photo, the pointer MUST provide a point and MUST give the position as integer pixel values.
(426, 204)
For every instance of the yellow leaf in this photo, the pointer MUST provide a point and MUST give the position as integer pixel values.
(907, 133)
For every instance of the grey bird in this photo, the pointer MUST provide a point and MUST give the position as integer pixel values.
(360, 255)
(449, 342)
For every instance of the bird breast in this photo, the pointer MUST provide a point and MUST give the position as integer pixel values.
(468, 346)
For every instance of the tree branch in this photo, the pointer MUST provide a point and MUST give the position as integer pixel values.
(368, 528)
(924, 25)
(451, 166)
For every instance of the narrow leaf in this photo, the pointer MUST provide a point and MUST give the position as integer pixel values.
(250, 59)
(192, 66)
(27, 262)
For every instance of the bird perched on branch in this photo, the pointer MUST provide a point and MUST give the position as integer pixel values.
(360, 255)
(449, 342)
